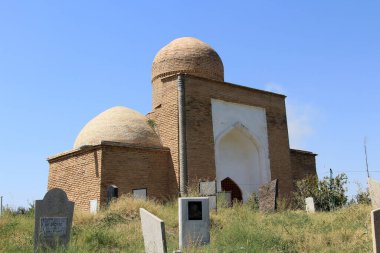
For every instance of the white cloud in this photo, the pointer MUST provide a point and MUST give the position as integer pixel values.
(300, 123)
(274, 87)
(300, 117)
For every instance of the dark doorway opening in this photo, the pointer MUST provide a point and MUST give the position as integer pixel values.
(229, 185)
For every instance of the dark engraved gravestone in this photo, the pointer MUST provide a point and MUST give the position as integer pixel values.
(53, 219)
(268, 196)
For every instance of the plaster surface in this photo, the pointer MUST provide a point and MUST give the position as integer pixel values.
(241, 145)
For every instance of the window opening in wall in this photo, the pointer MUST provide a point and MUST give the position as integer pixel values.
(140, 193)
(112, 192)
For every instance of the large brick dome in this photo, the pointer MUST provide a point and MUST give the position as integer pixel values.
(188, 55)
(118, 124)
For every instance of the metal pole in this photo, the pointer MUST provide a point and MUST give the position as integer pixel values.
(182, 136)
(331, 183)
(365, 152)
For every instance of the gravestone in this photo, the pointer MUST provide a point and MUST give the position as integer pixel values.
(224, 199)
(207, 188)
(53, 219)
(153, 230)
(310, 207)
(374, 193)
(93, 206)
(194, 221)
(375, 220)
(268, 196)
(212, 202)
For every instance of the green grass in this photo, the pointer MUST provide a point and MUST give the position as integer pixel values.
(237, 229)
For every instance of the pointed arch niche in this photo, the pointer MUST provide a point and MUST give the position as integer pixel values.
(241, 149)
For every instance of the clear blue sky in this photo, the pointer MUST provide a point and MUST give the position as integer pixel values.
(64, 62)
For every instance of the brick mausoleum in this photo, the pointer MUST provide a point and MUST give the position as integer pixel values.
(200, 128)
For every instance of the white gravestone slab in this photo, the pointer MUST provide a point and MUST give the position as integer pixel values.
(374, 193)
(52, 220)
(93, 206)
(139, 193)
(194, 221)
(310, 207)
(207, 188)
(153, 230)
(375, 220)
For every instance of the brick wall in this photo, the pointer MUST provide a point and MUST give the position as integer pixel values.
(200, 140)
(85, 174)
(78, 174)
(303, 164)
(133, 168)
(165, 115)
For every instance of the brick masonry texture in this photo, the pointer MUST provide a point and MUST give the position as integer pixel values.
(85, 174)
(200, 140)
(303, 164)
(78, 173)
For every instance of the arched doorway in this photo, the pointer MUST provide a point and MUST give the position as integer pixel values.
(229, 185)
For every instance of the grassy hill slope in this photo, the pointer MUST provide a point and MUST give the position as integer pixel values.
(237, 229)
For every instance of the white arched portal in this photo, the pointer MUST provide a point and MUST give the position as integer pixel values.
(241, 146)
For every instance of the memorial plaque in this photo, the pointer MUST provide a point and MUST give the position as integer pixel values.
(195, 210)
(53, 226)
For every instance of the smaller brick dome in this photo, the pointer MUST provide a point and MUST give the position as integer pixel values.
(118, 124)
(188, 55)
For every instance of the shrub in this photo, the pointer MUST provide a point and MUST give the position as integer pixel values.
(328, 193)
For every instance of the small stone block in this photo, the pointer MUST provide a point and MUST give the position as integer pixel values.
(310, 207)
